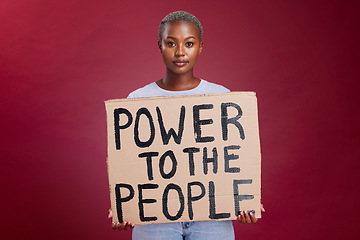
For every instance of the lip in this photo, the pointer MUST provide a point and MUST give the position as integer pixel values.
(180, 63)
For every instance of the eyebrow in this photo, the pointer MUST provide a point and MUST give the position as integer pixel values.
(185, 38)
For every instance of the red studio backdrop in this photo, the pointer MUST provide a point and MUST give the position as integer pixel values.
(59, 60)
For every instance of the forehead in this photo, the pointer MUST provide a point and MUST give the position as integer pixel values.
(180, 29)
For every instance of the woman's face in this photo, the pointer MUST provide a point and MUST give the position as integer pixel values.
(180, 46)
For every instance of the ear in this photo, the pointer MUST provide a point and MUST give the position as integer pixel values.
(201, 47)
(159, 45)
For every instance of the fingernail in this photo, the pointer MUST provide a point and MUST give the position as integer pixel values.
(245, 212)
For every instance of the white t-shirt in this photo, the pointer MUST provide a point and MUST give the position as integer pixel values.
(153, 90)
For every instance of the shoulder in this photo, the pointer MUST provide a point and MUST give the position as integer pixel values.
(209, 87)
(146, 91)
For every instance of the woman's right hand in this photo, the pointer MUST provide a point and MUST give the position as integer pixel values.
(120, 226)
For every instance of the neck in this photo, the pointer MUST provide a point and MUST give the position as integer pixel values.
(178, 82)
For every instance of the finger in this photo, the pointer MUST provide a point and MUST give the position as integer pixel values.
(247, 217)
(116, 225)
(127, 226)
(110, 214)
(253, 218)
(238, 218)
(262, 208)
(242, 217)
(122, 226)
(132, 225)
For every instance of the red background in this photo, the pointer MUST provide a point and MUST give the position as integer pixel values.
(59, 60)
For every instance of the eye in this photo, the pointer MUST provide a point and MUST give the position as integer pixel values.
(189, 44)
(171, 44)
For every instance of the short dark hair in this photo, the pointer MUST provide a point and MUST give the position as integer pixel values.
(180, 16)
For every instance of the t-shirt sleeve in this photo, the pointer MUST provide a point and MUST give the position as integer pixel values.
(130, 95)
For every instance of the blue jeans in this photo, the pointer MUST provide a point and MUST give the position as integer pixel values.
(209, 230)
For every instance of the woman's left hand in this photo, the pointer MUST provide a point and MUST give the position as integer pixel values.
(245, 217)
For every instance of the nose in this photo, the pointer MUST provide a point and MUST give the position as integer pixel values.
(180, 50)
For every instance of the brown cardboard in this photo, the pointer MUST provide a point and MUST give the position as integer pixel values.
(165, 196)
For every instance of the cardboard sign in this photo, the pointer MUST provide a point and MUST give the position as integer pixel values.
(183, 158)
